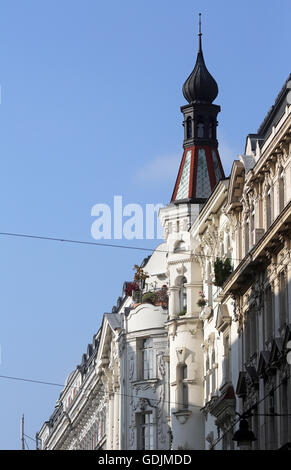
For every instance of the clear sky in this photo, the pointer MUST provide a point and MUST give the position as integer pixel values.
(90, 108)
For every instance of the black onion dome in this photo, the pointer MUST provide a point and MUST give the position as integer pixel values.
(200, 86)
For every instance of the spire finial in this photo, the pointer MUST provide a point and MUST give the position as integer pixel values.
(200, 34)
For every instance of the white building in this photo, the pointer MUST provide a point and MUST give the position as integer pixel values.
(204, 336)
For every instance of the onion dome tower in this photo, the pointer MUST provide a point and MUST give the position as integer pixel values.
(200, 168)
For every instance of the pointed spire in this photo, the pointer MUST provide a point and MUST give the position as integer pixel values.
(199, 35)
(200, 86)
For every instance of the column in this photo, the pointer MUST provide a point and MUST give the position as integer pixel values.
(174, 302)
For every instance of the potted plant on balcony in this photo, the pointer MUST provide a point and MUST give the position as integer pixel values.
(132, 290)
(222, 270)
(162, 297)
(201, 301)
(139, 275)
(149, 298)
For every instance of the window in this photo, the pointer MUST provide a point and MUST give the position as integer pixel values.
(247, 340)
(145, 431)
(180, 246)
(182, 386)
(209, 285)
(282, 298)
(189, 127)
(268, 208)
(254, 332)
(213, 381)
(146, 359)
(281, 192)
(251, 334)
(269, 316)
(183, 295)
(247, 236)
(200, 127)
(207, 377)
(185, 387)
(226, 344)
(252, 221)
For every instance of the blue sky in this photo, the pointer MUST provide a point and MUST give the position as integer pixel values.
(90, 108)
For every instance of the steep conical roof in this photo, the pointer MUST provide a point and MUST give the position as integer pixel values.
(200, 86)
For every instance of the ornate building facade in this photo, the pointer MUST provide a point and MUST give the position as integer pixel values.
(199, 340)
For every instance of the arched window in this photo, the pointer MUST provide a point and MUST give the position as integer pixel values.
(200, 127)
(180, 246)
(189, 127)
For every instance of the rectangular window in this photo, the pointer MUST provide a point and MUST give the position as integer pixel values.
(283, 298)
(269, 316)
(185, 387)
(146, 359)
(227, 358)
(145, 431)
(281, 192)
(247, 237)
(247, 340)
(254, 332)
(269, 209)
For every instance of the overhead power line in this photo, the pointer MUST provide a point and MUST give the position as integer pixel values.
(89, 390)
(101, 244)
(246, 413)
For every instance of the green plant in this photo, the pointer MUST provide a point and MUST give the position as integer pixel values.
(139, 275)
(148, 298)
(201, 303)
(222, 270)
